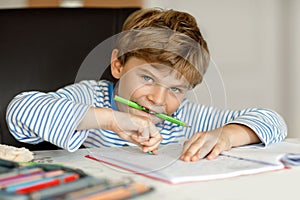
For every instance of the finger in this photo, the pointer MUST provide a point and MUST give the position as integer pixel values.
(192, 147)
(188, 143)
(152, 144)
(143, 131)
(204, 151)
(192, 153)
(126, 135)
(152, 147)
(185, 147)
(155, 151)
(138, 139)
(153, 140)
(153, 131)
(218, 148)
(194, 157)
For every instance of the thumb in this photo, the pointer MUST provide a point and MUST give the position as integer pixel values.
(153, 131)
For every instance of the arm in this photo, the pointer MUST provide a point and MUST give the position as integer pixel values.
(135, 129)
(237, 135)
(268, 125)
(226, 129)
(65, 117)
(240, 135)
(33, 117)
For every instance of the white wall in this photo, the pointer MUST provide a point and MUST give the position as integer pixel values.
(13, 3)
(255, 44)
(291, 65)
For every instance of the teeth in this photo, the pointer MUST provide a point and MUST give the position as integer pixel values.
(151, 112)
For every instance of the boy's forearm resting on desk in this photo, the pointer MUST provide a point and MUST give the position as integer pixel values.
(240, 135)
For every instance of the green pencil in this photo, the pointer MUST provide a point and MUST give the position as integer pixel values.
(159, 115)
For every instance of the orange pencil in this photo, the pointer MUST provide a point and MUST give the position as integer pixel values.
(120, 192)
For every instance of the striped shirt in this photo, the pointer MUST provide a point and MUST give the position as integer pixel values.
(33, 117)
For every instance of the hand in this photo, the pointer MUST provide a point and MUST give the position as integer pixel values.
(205, 144)
(136, 129)
(210, 144)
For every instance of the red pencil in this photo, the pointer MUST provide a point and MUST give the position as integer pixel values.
(48, 182)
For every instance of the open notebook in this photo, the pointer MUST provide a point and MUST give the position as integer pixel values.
(168, 168)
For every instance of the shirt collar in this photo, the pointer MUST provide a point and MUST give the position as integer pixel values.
(111, 96)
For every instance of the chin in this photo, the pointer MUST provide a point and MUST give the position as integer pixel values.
(155, 120)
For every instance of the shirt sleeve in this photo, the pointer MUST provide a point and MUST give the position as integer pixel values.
(268, 125)
(33, 117)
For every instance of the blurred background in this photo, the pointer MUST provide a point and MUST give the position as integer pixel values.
(255, 45)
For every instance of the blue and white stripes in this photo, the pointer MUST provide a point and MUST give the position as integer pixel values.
(267, 124)
(33, 117)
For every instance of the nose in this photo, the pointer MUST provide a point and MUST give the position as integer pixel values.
(158, 95)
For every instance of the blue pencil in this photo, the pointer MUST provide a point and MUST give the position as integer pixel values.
(42, 183)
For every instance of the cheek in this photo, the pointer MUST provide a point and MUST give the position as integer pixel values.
(131, 88)
(173, 103)
(127, 85)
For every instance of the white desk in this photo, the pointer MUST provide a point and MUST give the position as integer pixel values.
(283, 184)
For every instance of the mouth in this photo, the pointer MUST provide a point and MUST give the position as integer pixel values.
(149, 114)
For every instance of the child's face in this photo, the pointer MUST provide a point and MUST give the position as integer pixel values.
(154, 86)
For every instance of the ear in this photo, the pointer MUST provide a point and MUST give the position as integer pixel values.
(115, 65)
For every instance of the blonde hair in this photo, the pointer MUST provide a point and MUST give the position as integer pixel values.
(168, 37)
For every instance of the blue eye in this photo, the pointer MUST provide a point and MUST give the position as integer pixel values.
(148, 78)
(175, 90)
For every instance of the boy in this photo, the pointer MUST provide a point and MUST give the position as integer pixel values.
(157, 59)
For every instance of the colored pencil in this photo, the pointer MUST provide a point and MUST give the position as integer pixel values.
(159, 115)
(30, 177)
(31, 186)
